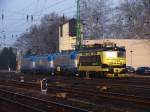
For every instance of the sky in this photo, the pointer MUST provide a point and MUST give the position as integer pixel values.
(16, 11)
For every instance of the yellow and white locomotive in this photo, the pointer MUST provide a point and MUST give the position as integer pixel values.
(108, 60)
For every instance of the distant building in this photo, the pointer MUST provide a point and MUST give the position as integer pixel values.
(137, 50)
(67, 35)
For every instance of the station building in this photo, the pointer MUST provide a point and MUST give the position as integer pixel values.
(137, 50)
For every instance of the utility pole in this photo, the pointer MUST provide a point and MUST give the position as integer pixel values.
(131, 57)
(78, 27)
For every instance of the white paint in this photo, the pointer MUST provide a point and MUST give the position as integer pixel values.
(76, 63)
(52, 64)
(33, 64)
(111, 54)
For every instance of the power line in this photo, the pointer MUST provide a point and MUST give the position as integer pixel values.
(41, 13)
(32, 16)
(16, 12)
(30, 5)
(36, 7)
(20, 10)
(67, 8)
(42, 9)
(14, 19)
(53, 5)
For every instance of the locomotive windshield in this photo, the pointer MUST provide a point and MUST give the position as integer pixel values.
(90, 60)
(115, 54)
(111, 54)
(121, 54)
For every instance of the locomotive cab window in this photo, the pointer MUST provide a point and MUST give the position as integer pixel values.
(90, 60)
(121, 54)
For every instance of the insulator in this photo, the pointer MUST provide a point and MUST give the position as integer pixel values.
(27, 17)
(31, 17)
(2, 16)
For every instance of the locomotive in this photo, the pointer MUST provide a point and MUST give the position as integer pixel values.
(102, 60)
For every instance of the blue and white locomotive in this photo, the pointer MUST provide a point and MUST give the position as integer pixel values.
(50, 63)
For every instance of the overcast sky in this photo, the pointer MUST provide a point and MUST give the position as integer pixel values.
(15, 12)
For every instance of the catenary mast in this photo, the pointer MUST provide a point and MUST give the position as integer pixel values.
(78, 27)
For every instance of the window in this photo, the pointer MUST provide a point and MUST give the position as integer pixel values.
(121, 54)
(111, 54)
(61, 30)
(90, 60)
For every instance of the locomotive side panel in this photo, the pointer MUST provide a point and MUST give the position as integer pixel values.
(63, 61)
(42, 64)
(27, 65)
(64, 64)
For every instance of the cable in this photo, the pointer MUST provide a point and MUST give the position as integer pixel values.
(30, 5)
(36, 7)
(14, 19)
(42, 9)
(67, 8)
(51, 6)
(20, 10)
(15, 12)
(41, 13)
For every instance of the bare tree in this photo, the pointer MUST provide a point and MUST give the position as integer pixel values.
(95, 16)
(42, 38)
(135, 18)
(116, 29)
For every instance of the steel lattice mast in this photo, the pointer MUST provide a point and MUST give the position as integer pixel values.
(78, 27)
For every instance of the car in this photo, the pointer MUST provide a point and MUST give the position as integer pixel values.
(130, 69)
(143, 70)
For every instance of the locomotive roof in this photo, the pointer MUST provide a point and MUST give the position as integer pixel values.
(76, 52)
(104, 49)
(48, 55)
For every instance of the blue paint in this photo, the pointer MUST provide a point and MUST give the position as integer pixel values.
(33, 58)
(50, 58)
(73, 55)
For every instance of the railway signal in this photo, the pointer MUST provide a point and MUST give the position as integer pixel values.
(44, 86)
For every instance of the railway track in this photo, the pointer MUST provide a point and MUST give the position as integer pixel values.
(36, 104)
(122, 88)
(36, 76)
(95, 96)
(92, 81)
(90, 94)
(91, 107)
(110, 81)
